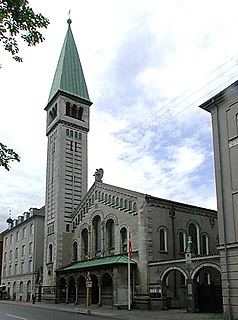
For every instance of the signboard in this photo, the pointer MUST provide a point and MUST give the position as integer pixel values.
(88, 282)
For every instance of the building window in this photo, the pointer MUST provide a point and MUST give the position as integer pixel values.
(17, 236)
(30, 247)
(10, 255)
(5, 256)
(194, 234)
(205, 244)
(75, 251)
(21, 287)
(97, 235)
(123, 233)
(30, 266)
(6, 242)
(31, 229)
(15, 268)
(68, 109)
(16, 253)
(67, 227)
(163, 240)
(24, 233)
(23, 250)
(85, 242)
(50, 253)
(110, 227)
(10, 270)
(182, 241)
(11, 239)
(22, 267)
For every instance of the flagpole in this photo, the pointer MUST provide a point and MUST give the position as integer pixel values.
(129, 271)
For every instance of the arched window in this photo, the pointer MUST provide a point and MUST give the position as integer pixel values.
(126, 204)
(163, 240)
(21, 287)
(74, 111)
(97, 235)
(50, 253)
(68, 109)
(16, 253)
(85, 242)
(113, 200)
(75, 251)
(117, 201)
(80, 113)
(123, 239)
(205, 244)
(193, 232)
(182, 241)
(134, 207)
(121, 203)
(130, 205)
(110, 227)
(23, 250)
(30, 247)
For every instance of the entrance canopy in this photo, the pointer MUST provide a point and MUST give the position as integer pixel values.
(98, 262)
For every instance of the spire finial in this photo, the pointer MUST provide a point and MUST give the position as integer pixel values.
(69, 20)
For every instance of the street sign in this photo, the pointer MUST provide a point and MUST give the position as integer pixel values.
(89, 284)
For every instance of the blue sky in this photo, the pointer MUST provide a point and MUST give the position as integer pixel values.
(148, 66)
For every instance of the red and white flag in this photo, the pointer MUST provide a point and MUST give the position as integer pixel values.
(129, 245)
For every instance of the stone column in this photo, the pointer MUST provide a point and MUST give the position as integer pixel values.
(164, 295)
(76, 294)
(190, 296)
(67, 294)
(99, 295)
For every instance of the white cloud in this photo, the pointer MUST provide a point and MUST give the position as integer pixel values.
(137, 56)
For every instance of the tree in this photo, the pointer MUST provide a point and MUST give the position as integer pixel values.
(18, 18)
(6, 156)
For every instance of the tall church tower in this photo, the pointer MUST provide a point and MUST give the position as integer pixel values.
(67, 156)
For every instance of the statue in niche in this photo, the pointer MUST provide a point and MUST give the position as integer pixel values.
(98, 175)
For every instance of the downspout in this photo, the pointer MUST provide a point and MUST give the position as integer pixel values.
(223, 217)
(172, 216)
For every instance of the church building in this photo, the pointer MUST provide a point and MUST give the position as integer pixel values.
(129, 248)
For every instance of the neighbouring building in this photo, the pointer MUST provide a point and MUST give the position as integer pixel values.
(224, 111)
(22, 259)
(175, 261)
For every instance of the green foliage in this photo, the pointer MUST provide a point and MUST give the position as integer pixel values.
(7, 155)
(17, 18)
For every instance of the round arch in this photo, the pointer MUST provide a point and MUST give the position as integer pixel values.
(72, 290)
(107, 289)
(62, 289)
(166, 271)
(205, 265)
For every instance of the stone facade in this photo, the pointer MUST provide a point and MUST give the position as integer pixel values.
(86, 233)
(23, 254)
(161, 273)
(224, 110)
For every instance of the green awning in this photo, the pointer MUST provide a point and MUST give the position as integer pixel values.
(98, 262)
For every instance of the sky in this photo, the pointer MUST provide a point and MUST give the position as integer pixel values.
(148, 65)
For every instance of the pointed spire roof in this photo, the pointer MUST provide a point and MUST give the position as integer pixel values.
(69, 77)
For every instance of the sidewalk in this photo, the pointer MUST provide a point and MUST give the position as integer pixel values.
(124, 314)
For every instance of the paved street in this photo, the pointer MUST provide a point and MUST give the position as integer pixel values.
(10, 310)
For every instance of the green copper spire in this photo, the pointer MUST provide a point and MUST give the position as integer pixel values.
(69, 77)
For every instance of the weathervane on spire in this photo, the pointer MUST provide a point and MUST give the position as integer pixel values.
(69, 20)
